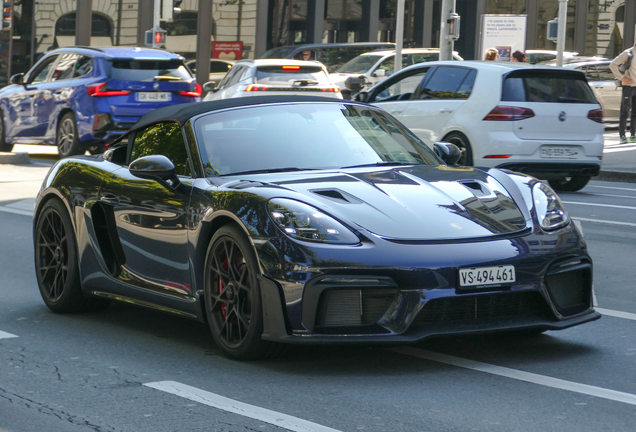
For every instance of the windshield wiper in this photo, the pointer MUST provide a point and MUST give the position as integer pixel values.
(271, 170)
(385, 163)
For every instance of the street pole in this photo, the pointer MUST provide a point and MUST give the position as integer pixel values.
(156, 20)
(445, 41)
(563, 23)
(399, 35)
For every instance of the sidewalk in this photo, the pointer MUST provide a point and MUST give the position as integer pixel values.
(619, 160)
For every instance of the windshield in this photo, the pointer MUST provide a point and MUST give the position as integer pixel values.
(280, 52)
(547, 86)
(360, 64)
(305, 136)
(147, 70)
(291, 75)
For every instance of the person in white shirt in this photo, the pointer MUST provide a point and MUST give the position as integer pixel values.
(628, 101)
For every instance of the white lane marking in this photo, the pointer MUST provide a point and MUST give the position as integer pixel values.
(5, 335)
(617, 314)
(16, 211)
(257, 413)
(611, 187)
(600, 205)
(543, 380)
(611, 195)
(604, 221)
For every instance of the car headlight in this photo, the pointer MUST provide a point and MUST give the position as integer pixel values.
(304, 222)
(550, 211)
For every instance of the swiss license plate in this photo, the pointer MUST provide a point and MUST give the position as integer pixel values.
(153, 97)
(563, 152)
(486, 276)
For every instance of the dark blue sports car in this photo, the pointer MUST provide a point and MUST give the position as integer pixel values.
(306, 220)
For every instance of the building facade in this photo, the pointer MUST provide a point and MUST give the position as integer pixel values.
(594, 27)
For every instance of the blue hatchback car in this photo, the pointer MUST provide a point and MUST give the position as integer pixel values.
(80, 98)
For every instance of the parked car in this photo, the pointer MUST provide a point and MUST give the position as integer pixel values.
(341, 227)
(78, 98)
(218, 68)
(534, 56)
(601, 80)
(544, 121)
(273, 76)
(377, 65)
(332, 55)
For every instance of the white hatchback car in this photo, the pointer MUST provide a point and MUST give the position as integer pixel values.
(273, 77)
(544, 121)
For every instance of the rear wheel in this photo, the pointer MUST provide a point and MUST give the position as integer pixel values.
(67, 138)
(569, 184)
(232, 296)
(460, 140)
(56, 262)
(4, 146)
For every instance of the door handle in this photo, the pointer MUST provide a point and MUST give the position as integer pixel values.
(598, 87)
(109, 199)
(397, 111)
(446, 110)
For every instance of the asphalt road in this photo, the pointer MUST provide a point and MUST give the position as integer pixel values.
(131, 369)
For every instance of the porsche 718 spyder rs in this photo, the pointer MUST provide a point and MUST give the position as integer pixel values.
(291, 219)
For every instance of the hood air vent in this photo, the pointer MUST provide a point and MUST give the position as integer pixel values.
(479, 189)
(337, 196)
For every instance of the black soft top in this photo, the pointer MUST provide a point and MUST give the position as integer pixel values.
(181, 113)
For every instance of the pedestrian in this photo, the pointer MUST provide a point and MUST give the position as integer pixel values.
(624, 69)
(492, 54)
(518, 56)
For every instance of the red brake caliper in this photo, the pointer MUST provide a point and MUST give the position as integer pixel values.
(226, 266)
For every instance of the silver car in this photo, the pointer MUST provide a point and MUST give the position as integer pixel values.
(601, 80)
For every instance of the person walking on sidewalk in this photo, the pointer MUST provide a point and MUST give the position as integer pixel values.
(624, 69)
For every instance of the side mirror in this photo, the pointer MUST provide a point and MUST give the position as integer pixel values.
(380, 73)
(448, 152)
(17, 79)
(355, 83)
(210, 86)
(361, 97)
(158, 168)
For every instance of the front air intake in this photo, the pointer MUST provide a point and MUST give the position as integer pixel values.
(353, 307)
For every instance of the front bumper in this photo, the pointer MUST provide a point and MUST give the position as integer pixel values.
(553, 291)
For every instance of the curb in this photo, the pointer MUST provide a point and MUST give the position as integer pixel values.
(14, 158)
(616, 176)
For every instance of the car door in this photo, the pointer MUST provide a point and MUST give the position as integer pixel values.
(55, 93)
(610, 95)
(436, 102)
(394, 93)
(152, 219)
(26, 102)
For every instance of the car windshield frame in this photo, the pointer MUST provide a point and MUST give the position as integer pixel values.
(324, 136)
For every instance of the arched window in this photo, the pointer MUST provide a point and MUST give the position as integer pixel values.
(100, 25)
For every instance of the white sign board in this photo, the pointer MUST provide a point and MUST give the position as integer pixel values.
(507, 33)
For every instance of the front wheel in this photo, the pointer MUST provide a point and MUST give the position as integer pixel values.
(232, 296)
(67, 138)
(569, 184)
(460, 140)
(56, 262)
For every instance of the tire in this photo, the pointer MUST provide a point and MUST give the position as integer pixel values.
(4, 146)
(569, 184)
(232, 296)
(66, 137)
(56, 262)
(460, 140)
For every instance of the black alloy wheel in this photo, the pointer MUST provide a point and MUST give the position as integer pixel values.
(460, 140)
(232, 296)
(67, 138)
(4, 146)
(569, 184)
(56, 262)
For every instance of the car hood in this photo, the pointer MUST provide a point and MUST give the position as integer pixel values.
(413, 204)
